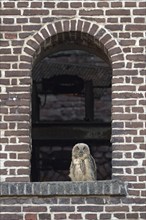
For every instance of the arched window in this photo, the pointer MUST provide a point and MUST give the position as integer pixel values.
(71, 103)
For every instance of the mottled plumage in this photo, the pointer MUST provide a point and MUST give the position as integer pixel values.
(83, 166)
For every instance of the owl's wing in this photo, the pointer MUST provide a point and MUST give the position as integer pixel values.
(82, 166)
(72, 169)
(93, 165)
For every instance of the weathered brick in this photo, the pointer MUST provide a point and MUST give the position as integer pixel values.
(88, 208)
(45, 216)
(62, 208)
(142, 4)
(31, 27)
(102, 4)
(14, 209)
(137, 34)
(8, 20)
(130, 4)
(91, 200)
(139, 12)
(95, 12)
(136, 208)
(105, 216)
(31, 12)
(62, 5)
(136, 57)
(64, 12)
(75, 4)
(35, 209)
(114, 51)
(89, 4)
(11, 12)
(139, 20)
(118, 12)
(9, 4)
(28, 51)
(20, 147)
(3, 172)
(117, 208)
(127, 42)
(112, 20)
(30, 217)
(18, 179)
(35, 20)
(105, 39)
(16, 163)
(63, 200)
(22, 4)
(58, 27)
(116, 4)
(135, 27)
(119, 215)
(4, 66)
(33, 44)
(13, 28)
(125, 163)
(142, 178)
(139, 154)
(75, 216)
(11, 216)
(132, 216)
(36, 4)
(24, 35)
(139, 171)
(8, 58)
(91, 216)
(3, 155)
(114, 27)
(125, 72)
(49, 4)
(59, 216)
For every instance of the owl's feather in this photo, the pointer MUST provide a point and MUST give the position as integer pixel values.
(83, 168)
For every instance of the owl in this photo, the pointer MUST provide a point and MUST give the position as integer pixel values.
(83, 166)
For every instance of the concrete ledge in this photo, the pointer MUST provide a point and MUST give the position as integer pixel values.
(109, 187)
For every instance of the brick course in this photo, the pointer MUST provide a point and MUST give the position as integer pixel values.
(30, 27)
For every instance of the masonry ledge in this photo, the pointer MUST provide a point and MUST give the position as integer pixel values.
(101, 188)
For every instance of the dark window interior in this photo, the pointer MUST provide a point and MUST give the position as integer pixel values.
(71, 103)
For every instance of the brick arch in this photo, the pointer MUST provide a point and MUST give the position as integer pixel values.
(102, 38)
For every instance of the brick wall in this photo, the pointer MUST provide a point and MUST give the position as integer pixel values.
(64, 200)
(29, 29)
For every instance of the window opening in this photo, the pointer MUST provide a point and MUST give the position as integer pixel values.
(71, 103)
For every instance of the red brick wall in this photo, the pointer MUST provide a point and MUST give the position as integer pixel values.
(28, 28)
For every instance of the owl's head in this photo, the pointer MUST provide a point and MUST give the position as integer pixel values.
(80, 150)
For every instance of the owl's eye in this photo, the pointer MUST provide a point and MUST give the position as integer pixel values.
(84, 148)
(77, 148)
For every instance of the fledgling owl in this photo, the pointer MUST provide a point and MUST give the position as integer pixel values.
(83, 166)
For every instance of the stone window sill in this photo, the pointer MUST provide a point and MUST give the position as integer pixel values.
(101, 188)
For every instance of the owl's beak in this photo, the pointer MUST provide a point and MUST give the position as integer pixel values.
(81, 153)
